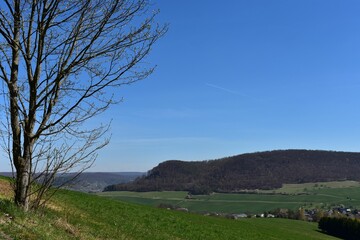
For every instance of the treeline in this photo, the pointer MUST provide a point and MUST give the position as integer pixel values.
(262, 170)
(341, 227)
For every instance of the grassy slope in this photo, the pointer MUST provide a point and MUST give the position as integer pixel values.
(317, 195)
(73, 215)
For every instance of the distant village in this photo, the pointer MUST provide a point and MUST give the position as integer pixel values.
(310, 215)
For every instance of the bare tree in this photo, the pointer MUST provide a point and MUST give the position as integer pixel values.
(59, 63)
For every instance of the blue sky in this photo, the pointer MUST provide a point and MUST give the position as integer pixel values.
(242, 76)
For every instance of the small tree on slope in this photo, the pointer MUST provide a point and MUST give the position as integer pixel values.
(58, 61)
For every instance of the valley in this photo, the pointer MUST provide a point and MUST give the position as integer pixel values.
(320, 195)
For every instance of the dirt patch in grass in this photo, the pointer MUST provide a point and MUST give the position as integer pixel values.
(63, 224)
(5, 236)
(6, 189)
(54, 207)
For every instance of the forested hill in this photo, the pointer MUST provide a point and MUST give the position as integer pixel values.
(261, 170)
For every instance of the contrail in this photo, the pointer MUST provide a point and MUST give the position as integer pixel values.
(224, 89)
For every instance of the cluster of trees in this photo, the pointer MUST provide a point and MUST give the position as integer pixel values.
(262, 170)
(345, 228)
(288, 213)
(303, 214)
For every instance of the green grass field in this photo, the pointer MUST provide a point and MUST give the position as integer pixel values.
(306, 187)
(73, 215)
(292, 196)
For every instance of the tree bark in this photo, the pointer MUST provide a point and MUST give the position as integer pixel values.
(22, 186)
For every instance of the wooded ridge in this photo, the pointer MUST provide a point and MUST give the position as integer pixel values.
(260, 170)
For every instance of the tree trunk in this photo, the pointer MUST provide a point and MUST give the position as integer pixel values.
(23, 176)
(22, 162)
(22, 186)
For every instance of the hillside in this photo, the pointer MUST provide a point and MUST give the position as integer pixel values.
(75, 215)
(90, 181)
(95, 181)
(261, 170)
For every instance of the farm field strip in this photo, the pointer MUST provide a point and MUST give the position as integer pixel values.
(214, 200)
(253, 200)
(328, 195)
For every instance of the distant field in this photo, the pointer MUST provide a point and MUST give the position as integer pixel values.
(306, 187)
(291, 196)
